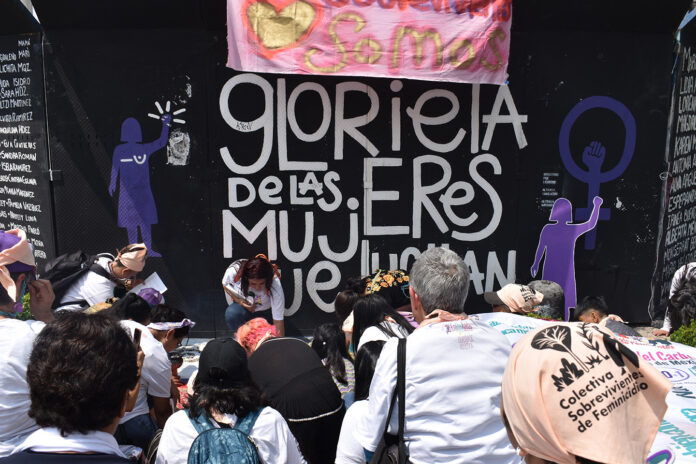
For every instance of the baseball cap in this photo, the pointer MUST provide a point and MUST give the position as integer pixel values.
(223, 364)
(519, 298)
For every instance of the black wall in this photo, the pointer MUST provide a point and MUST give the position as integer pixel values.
(104, 66)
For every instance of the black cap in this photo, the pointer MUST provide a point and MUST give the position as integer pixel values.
(223, 364)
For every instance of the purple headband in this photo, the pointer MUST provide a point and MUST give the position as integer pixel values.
(8, 241)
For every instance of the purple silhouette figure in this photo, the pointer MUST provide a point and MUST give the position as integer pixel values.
(557, 241)
(131, 169)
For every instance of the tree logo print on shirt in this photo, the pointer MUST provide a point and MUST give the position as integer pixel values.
(560, 338)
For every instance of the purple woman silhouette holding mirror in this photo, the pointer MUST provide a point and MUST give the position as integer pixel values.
(130, 168)
(557, 241)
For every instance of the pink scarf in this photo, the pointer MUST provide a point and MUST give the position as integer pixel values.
(572, 389)
(135, 259)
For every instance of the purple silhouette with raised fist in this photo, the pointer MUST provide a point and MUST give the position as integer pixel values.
(593, 157)
(557, 241)
(130, 168)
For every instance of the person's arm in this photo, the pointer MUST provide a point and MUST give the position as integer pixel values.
(677, 280)
(163, 138)
(278, 306)
(158, 371)
(41, 299)
(368, 431)
(133, 394)
(163, 409)
(115, 164)
(541, 249)
(175, 393)
(280, 327)
(594, 217)
(666, 326)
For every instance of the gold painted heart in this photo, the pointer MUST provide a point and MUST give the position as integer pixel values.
(281, 25)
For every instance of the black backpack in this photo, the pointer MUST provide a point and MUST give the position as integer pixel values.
(64, 270)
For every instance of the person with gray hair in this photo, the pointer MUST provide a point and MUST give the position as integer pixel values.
(439, 280)
(454, 369)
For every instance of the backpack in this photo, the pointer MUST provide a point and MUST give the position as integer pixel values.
(64, 271)
(224, 445)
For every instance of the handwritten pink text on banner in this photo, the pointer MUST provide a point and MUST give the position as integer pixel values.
(451, 40)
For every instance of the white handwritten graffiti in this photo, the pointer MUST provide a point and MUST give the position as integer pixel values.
(436, 198)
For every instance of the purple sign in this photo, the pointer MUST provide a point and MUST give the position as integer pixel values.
(593, 156)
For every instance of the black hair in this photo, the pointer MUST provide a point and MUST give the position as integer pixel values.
(132, 307)
(240, 401)
(4, 296)
(591, 302)
(365, 362)
(79, 371)
(330, 343)
(682, 305)
(165, 313)
(345, 300)
(372, 310)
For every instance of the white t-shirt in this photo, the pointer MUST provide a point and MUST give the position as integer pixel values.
(513, 326)
(274, 441)
(156, 375)
(16, 343)
(91, 287)
(275, 301)
(453, 376)
(374, 333)
(349, 451)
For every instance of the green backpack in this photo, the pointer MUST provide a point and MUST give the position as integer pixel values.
(215, 445)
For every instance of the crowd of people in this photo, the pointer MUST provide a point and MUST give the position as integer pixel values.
(403, 370)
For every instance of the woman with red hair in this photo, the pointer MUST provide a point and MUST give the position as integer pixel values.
(252, 288)
(253, 333)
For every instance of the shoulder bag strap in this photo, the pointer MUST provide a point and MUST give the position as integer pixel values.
(246, 423)
(97, 269)
(391, 405)
(401, 392)
(200, 423)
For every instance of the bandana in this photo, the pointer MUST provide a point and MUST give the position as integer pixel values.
(19, 252)
(135, 259)
(171, 325)
(569, 386)
(390, 284)
(519, 298)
